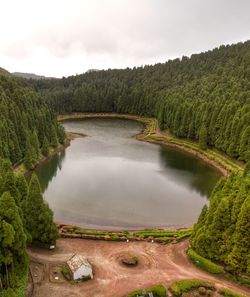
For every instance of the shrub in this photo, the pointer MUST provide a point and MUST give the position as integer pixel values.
(8, 293)
(228, 293)
(204, 264)
(202, 291)
(158, 291)
(65, 272)
(183, 286)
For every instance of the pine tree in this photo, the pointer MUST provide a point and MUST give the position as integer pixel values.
(203, 137)
(35, 144)
(239, 261)
(45, 147)
(38, 216)
(244, 143)
(220, 224)
(10, 186)
(15, 251)
(54, 139)
(22, 187)
(7, 240)
(30, 155)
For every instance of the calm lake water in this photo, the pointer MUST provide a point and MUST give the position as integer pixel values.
(111, 180)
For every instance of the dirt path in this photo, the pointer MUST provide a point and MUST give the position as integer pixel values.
(157, 264)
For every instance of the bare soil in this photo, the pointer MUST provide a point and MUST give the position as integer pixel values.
(158, 264)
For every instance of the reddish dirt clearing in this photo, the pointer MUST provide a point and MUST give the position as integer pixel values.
(157, 264)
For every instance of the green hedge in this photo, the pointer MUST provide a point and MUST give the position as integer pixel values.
(183, 286)
(228, 293)
(204, 264)
(158, 291)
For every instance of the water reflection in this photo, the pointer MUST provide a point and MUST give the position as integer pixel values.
(49, 170)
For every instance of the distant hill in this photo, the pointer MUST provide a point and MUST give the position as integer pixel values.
(29, 75)
(3, 71)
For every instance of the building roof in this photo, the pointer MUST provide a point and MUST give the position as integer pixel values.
(77, 261)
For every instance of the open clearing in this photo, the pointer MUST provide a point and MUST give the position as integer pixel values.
(157, 264)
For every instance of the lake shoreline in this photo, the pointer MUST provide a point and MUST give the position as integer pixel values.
(151, 130)
(152, 134)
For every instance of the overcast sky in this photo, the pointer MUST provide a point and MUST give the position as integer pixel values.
(65, 37)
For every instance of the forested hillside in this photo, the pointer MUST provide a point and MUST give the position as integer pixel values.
(26, 123)
(209, 90)
(28, 129)
(24, 219)
(222, 232)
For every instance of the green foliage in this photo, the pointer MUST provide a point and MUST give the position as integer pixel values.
(204, 264)
(229, 293)
(38, 216)
(157, 290)
(203, 98)
(12, 242)
(25, 120)
(203, 137)
(239, 258)
(247, 169)
(222, 232)
(45, 147)
(54, 139)
(183, 286)
(66, 273)
(159, 235)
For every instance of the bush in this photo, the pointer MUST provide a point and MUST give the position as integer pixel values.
(228, 293)
(202, 291)
(204, 264)
(65, 272)
(183, 286)
(158, 291)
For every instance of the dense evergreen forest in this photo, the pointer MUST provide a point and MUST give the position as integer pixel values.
(204, 98)
(28, 130)
(222, 232)
(27, 125)
(206, 95)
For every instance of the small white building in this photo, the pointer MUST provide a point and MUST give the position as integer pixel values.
(79, 267)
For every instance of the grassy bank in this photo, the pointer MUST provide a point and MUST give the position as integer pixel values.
(157, 291)
(155, 235)
(186, 287)
(213, 268)
(205, 264)
(183, 286)
(151, 133)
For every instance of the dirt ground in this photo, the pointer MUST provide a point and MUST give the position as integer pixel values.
(157, 264)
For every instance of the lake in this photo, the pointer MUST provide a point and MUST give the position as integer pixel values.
(110, 180)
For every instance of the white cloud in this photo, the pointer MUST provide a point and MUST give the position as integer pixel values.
(63, 37)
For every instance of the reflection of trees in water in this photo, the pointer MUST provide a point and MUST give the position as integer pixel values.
(188, 170)
(49, 170)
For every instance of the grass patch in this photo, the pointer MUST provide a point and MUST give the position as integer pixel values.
(158, 235)
(183, 286)
(158, 291)
(229, 293)
(222, 160)
(204, 264)
(66, 273)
